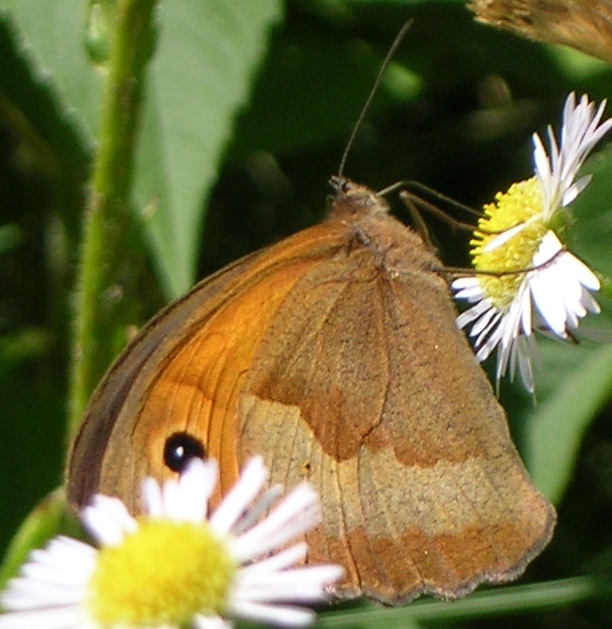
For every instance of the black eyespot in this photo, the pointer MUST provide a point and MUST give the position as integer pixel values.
(180, 448)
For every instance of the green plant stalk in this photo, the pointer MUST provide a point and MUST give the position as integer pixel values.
(517, 599)
(108, 207)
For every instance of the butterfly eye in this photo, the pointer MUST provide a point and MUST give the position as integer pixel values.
(180, 448)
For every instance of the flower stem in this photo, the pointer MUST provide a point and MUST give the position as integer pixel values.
(107, 223)
(517, 599)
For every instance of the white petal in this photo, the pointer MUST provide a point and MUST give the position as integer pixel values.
(57, 618)
(65, 560)
(108, 520)
(558, 289)
(582, 272)
(484, 322)
(461, 283)
(473, 313)
(28, 594)
(575, 189)
(295, 515)
(523, 353)
(240, 496)
(491, 330)
(171, 498)
(194, 489)
(550, 305)
(52, 577)
(581, 130)
(304, 584)
(186, 499)
(211, 622)
(275, 614)
(589, 302)
(508, 234)
(275, 562)
(540, 158)
(472, 295)
(257, 509)
(153, 498)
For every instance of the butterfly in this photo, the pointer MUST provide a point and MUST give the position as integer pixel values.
(333, 353)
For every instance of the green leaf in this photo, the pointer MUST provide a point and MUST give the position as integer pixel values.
(583, 380)
(203, 70)
(47, 33)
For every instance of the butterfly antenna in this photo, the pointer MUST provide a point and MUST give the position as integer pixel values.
(396, 42)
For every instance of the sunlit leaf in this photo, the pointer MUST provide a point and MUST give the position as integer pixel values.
(50, 35)
(207, 58)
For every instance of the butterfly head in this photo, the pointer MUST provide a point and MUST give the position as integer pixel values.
(350, 199)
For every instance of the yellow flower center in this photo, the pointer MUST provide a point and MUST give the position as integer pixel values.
(162, 574)
(522, 202)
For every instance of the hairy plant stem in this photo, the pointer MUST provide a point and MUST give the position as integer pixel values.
(107, 217)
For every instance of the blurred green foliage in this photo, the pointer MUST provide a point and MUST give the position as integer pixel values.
(245, 121)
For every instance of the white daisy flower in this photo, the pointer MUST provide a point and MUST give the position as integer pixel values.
(519, 231)
(178, 566)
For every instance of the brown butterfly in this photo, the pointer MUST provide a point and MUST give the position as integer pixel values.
(334, 354)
